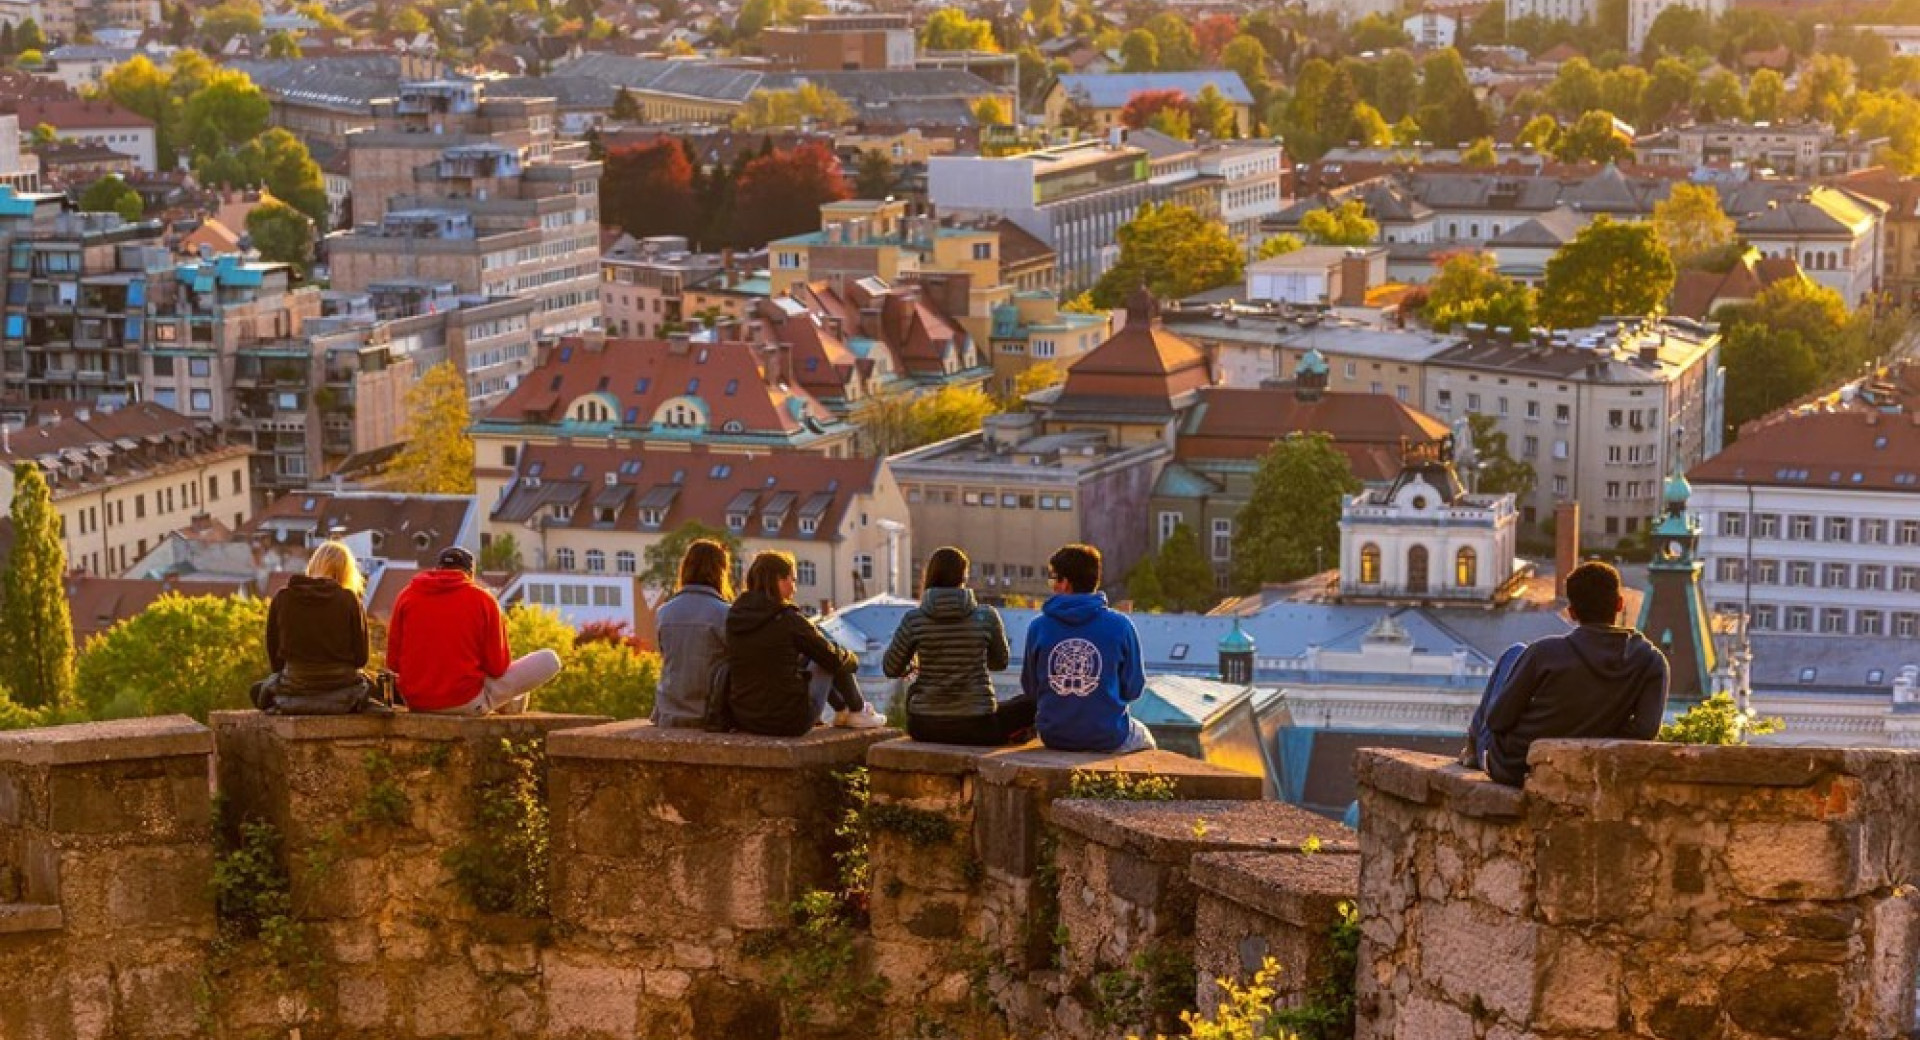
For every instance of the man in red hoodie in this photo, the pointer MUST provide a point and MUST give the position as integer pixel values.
(447, 642)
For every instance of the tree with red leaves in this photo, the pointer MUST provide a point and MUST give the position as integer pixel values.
(780, 194)
(1213, 33)
(647, 189)
(1143, 105)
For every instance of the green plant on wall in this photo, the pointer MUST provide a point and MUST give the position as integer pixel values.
(1245, 1011)
(1156, 985)
(1718, 720)
(502, 869)
(1115, 786)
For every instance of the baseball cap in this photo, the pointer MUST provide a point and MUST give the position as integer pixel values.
(454, 558)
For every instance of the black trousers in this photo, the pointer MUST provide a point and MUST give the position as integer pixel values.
(1010, 723)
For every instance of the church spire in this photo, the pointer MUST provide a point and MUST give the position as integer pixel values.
(1674, 612)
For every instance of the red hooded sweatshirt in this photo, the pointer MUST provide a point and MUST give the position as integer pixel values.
(446, 638)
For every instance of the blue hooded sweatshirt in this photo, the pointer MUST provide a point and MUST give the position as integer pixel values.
(1083, 664)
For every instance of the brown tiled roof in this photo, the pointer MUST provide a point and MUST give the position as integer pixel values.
(69, 438)
(1371, 429)
(1861, 439)
(1696, 293)
(78, 115)
(698, 485)
(1143, 361)
(1019, 246)
(640, 375)
(405, 527)
(98, 604)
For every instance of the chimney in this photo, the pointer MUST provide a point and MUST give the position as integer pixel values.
(1355, 273)
(1566, 544)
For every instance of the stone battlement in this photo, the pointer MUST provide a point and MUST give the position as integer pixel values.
(571, 878)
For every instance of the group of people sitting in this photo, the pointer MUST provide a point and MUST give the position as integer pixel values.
(446, 644)
(755, 664)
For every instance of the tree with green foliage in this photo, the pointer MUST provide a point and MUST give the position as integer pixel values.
(437, 458)
(626, 108)
(1369, 127)
(1139, 52)
(1575, 89)
(1290, 526)
(874, 176)
(950, 29)
(1481, 155)
(1542, 133)
(1692, 224)
(36, 629)
(1177, 49)
(990, 111)
(1186, 577)
(1822, 87)
(1720, 96)
(112, 194)
(1144, 590)
(1766, 369)
(1766, 96)
(1795, 336)
(597, 677)
(281, 233)
(1172, 250)
(276, 160)
(1214, 114)
(1246, 56)
(798, 106)
(1668, 94)
(1345, 225)
(1500, 473)
(501, 554)
(1610, 268)
(189, 655)
(1377, 33)
(1449, 110)
(283, 45)
(28, 37)
(1675, 31)
(224, 21)
(1469, 289)
(226, 111)
(1594, 137)
(660, 566)
(1278, 245)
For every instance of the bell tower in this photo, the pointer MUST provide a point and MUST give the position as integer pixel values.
(1674, 613)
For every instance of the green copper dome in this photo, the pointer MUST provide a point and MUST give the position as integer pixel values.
(1678, 490)
(1236, 641)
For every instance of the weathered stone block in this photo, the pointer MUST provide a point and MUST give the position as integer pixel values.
(1579, 987)
(1795, 860)
(1593, 872)
(593, 1001)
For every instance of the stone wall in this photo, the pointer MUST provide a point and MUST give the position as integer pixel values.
(1640, 891)
(105, 854)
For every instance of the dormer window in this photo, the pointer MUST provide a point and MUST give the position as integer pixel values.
(652, 517)
(771, 524)
(562, 514)
(809, 526)
(736, 521)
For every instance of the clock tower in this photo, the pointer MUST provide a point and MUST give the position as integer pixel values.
(1674, 613)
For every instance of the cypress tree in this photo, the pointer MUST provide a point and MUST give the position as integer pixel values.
(36, 629)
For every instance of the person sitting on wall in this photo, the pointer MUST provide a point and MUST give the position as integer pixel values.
(1599, 681)
(692, 627)
(1083, 663)
(771, 688)
(949, 643)
(317, 641)
(448, 644)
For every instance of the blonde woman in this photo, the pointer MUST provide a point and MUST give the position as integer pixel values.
(317, 636)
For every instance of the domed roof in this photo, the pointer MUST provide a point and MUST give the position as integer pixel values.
(1236, 641)
(1312, 362)
(1678, 490)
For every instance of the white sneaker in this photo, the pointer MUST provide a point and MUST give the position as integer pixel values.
(865, 718)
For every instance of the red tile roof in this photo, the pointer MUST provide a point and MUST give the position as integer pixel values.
(79, 115)
(1373, 430)
(635, 377)
(595, 482)
(1863, 437)
(1143, 361)
(98, 604)
(404, 527)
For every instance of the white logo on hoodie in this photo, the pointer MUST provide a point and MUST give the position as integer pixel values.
(1073, 668)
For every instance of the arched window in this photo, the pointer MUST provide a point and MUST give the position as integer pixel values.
(1369, 564)
(1417, 569)
(1466, 568)
(596, 561)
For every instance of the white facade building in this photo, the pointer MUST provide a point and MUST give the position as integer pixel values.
(1426, 538)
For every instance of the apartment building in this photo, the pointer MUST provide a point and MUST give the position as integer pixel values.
(1601, 414)
(1251, 345)
(1095, 101)
(124, 478)
(596, 509)
(1811, 520)
(1031, 331)
(450, 186)
(835, 42)
(1079, 466)
(77, 290)
(1789, 149)
(96, 121)
(643, 282)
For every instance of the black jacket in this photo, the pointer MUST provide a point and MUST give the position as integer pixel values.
(956, 642)
(316, 633)
(768, 646)
(1596, 682)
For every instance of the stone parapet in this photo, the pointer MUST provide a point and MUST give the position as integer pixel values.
(1128, 905)
(105, 863)
(400, 924)
(1258, 905)
(1637, 890)
(673, 850)
(965, 876)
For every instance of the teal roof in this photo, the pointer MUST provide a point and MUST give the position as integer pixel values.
(1312, 362)
(1177, 481)
(1236, 641)
(223, 270)
(1678, 490)
(14, 204)
(1181, 700)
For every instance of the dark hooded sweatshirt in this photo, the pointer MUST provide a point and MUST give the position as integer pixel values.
(1596, 682)
(956, 642)
(768, 646)
(316, 635)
